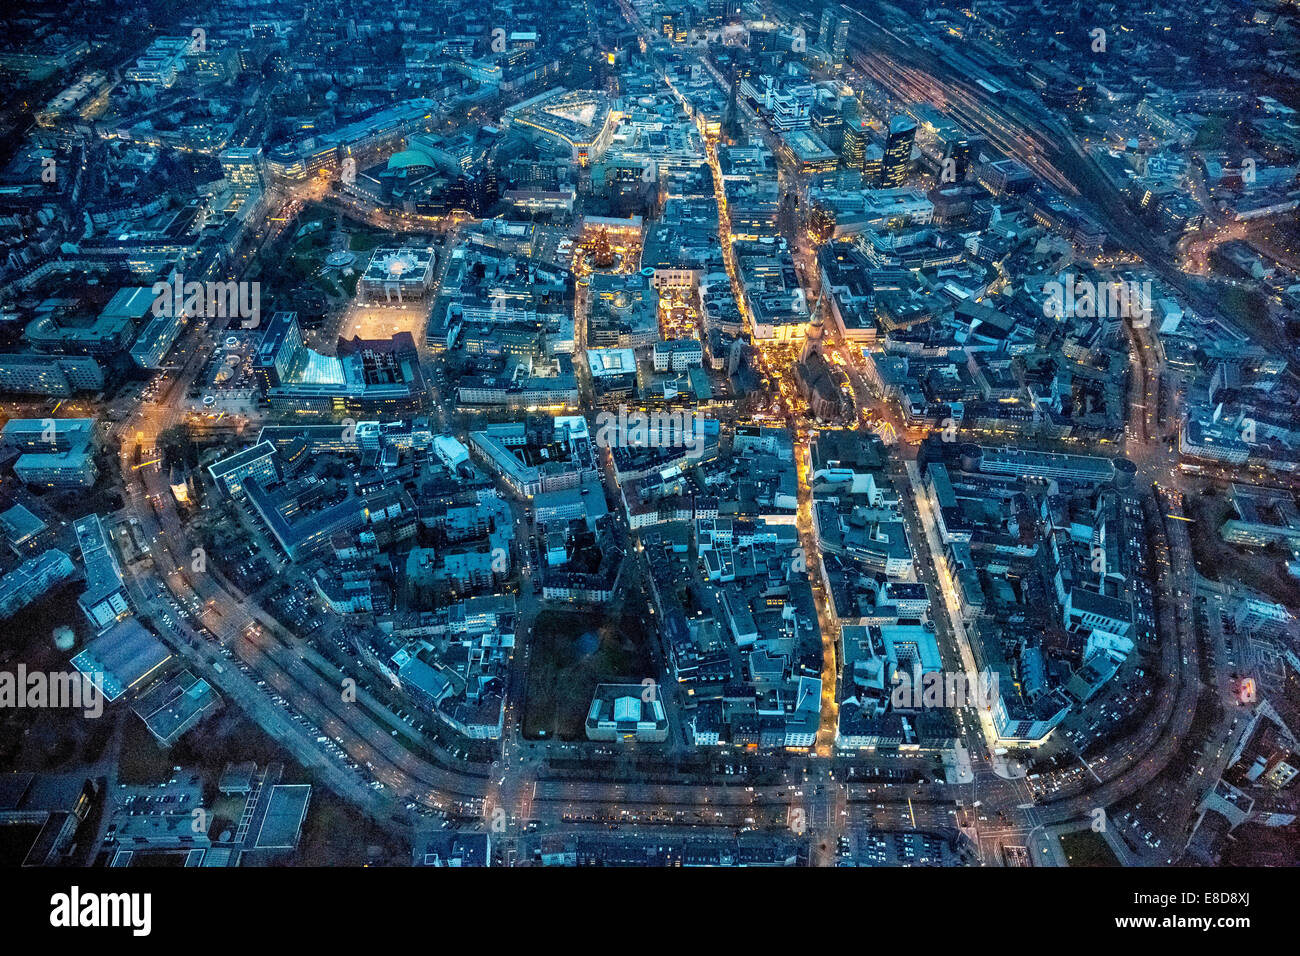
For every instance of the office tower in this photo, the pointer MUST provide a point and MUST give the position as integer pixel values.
(898, 152)
(675, 24)
(958, 151)
(828, 124)
(716, 13)
(855, 142)
(873, 164)
(242, 166)
(834, 35)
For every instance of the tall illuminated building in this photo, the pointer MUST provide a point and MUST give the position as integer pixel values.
(242, 166)
(959, 152)
(898, 152)
(718, 12)
(828, 124)
(855, 142)
(873, 163)
(834, 34)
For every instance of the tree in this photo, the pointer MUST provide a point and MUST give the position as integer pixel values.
(176, 446)
(602, 252)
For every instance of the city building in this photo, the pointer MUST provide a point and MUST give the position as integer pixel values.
(55, 452)
(898, 152)
(104, 601)
(626, 712)
(33, 578)
(57, 376)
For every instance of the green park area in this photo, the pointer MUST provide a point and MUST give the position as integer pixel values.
(571, 652)
(1087, 848)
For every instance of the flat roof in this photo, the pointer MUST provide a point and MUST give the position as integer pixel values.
(124, 656)
(225, 466)
(20, 524)
(285, 814)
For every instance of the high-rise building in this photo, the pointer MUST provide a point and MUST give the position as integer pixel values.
(898, 152)
(855, 142)
(828, 124)
(828, 18)
(674, 24)
(873, 165)
(280, 350)
(156, 339)
(834, 35)
(958, 151)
